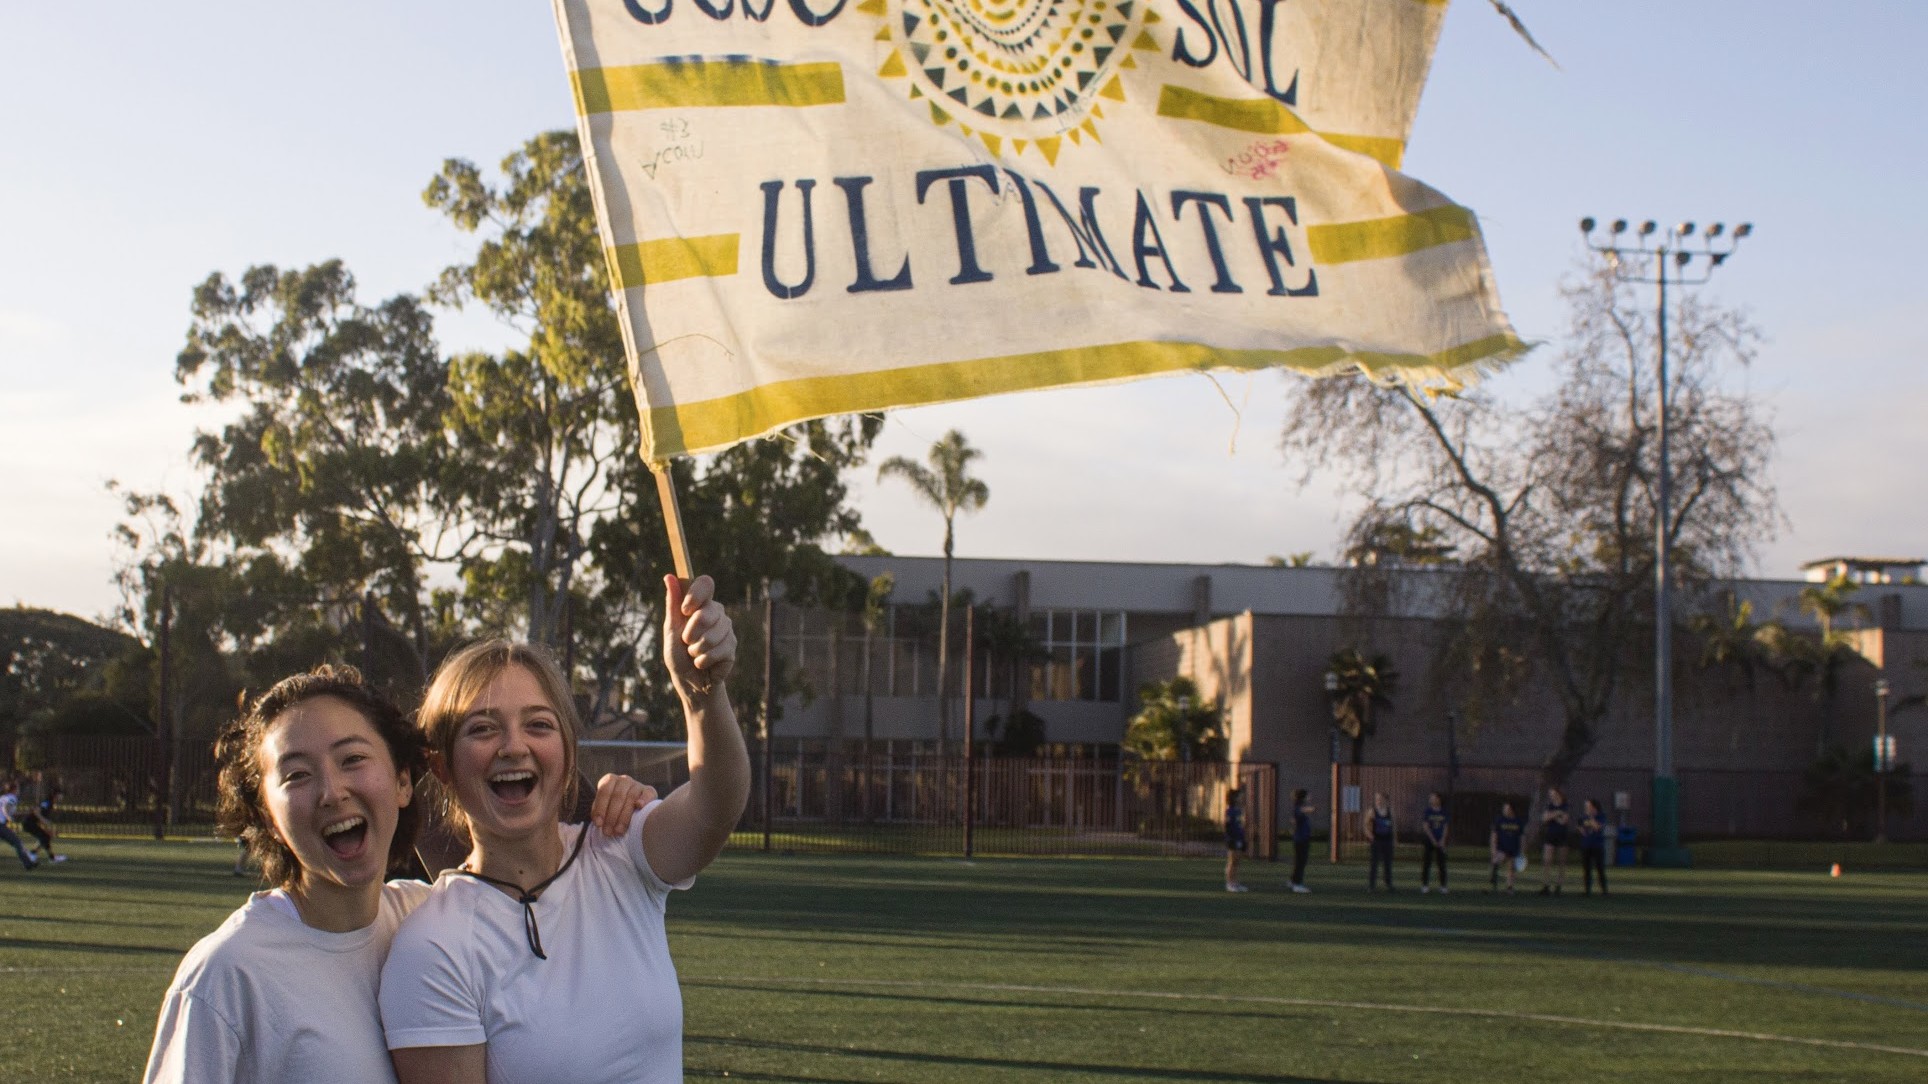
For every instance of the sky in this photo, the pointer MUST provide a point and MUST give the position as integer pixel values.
(216, 135)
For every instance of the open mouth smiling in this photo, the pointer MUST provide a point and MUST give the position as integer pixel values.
(346, 837)
(514, 786)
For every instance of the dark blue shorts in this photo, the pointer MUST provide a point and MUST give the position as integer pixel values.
(1235, 842)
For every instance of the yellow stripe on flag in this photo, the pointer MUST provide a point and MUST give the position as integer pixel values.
(1267, 117)
(1381, 238)
(715, 423)
(673, 258)
(683, 84)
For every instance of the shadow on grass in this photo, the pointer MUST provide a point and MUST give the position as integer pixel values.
(92, 947)
(1135, 1072)
(1039, 905)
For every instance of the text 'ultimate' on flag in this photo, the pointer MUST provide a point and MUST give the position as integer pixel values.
(819, 207)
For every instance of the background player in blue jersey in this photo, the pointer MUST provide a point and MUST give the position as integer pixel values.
(1382, 829)
(39, 823)
(1555, 826)
(1302, 811)
(1593, 845)
(1234, 838)
(1434, 823)
(1508, 828)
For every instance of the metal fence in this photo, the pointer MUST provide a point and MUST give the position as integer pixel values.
(1714, 803)
(905, 798)
(119, 786)
(901, 797)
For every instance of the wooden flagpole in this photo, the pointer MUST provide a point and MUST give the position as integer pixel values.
(679, 546)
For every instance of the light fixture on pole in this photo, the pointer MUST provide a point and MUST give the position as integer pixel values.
(1332, 728)
(1883, 759)
(1683, 256)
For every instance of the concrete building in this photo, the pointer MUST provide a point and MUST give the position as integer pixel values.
(1257, 641)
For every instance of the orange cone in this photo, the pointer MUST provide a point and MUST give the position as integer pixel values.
(1834, 870)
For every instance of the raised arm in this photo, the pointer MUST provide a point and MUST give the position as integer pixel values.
(687, 831)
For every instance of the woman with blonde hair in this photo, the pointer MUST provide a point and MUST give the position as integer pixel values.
(543, 956)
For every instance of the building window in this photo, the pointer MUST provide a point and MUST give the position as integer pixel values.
(1085, 655)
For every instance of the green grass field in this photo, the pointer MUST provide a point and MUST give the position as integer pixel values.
(858, 968)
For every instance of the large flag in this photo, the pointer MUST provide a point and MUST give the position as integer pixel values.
(818, 207)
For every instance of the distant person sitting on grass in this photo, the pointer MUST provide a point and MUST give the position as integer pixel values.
(1382, 829)
(1234, 838)
(1555, 823)
(1434, 823)
(1593, 845)
(1302, 810)
(1504, 841)
(315, 779)
(40, 824)
(9, 799)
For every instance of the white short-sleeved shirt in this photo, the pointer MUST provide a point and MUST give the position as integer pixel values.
(604, 1006)
(268, 999)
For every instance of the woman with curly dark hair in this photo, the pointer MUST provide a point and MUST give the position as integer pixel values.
(317, 783)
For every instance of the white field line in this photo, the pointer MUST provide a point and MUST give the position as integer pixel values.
(1321, 1003)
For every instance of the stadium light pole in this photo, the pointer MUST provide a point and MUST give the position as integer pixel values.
(1684, 257)
(1332, 750)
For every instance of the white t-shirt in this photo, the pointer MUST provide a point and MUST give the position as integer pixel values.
(7, 804)
(604, 1006)
(268, 999)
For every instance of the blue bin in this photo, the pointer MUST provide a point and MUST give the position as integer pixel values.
(1626, 851)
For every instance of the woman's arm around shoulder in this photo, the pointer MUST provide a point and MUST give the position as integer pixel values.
(688, 830)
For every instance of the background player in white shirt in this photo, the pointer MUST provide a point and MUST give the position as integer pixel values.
(9, 800)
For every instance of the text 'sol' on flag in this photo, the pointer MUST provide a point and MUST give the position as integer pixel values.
(817, 207)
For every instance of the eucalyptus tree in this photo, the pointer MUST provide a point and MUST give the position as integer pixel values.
(366, 472)
(547, 433)
(545, 430)
(334, 468)
(946, 484)
(50, 659)
(1546, 511)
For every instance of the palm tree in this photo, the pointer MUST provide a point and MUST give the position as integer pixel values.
(1836, 650)
(1741, 648)
(1175, 723)
(1361, 686)
(1733, 641)
(948, 486)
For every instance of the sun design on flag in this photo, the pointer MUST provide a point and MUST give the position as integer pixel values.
(1027, 72)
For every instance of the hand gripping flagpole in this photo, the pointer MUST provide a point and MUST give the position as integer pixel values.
(679, 550)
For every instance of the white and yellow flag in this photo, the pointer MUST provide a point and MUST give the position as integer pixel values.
(818, 207)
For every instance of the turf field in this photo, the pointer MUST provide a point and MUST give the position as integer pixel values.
(855, 968)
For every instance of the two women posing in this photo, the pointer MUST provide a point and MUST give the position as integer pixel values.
(542, 957)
